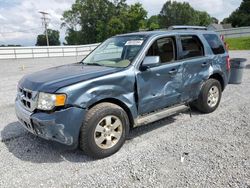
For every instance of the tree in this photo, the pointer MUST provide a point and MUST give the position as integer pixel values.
(115, 26)
(215, 20)
(73, 36)
(203, 18)
(241, 16)
(134, 16)
(53, 36)
(175, 13)
(91, 21)
(153, 22)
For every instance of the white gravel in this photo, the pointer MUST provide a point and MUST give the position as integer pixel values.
(203, 151)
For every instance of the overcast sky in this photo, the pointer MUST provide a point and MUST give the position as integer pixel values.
(20, 21)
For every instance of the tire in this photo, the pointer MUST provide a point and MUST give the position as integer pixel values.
(207, 103)
(104, 130)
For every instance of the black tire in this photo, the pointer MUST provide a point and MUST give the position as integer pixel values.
(202, 103)
(88, 130)
(193, 105)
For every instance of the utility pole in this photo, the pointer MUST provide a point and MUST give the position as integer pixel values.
(45, 21)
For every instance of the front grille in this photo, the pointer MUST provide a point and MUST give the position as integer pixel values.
(27, 98)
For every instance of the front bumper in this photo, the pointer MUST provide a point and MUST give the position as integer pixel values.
(62, 126)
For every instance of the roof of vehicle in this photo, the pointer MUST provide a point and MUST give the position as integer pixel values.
(173, 32)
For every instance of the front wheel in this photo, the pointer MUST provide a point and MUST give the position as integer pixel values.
(104, 130)
(210, 96)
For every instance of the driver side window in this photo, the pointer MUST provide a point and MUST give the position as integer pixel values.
(164, 48)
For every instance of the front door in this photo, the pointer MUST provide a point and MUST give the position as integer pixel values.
(160, 86)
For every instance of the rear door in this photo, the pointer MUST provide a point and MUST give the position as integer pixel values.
(195, 65)
(219, 55)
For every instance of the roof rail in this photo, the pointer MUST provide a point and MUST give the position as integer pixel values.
(186, 27)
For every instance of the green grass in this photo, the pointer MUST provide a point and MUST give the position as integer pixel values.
(242, 43)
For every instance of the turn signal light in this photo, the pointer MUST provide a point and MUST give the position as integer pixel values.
(60, 100)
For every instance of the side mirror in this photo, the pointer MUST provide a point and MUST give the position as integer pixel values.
(150, 61)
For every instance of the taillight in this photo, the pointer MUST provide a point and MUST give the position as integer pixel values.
(228, 63)
(222, 38)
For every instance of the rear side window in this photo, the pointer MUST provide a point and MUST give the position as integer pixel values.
(191, 47)
(215, 43)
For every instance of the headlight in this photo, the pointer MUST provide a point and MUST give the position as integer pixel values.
(48, 101)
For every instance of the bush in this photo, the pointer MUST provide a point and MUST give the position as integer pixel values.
(242, 43)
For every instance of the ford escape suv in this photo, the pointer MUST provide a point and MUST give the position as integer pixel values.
(127, 81)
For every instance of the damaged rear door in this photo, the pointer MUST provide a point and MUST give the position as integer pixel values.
(195, 65)
(160, 86)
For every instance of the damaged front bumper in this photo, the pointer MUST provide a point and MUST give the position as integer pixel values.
(62, 126)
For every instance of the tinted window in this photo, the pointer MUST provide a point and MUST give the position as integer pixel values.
(191, 47)
(215, 43)
(165, 48)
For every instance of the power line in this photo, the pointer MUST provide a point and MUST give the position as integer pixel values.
(45, 21)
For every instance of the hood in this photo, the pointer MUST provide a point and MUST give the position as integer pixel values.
(52, 79)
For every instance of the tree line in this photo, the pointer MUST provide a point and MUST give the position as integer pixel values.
(92, 21)
(241, 16)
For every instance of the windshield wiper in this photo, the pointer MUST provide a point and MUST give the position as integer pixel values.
(93, 64)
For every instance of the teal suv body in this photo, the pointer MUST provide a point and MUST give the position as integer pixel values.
(92, 104)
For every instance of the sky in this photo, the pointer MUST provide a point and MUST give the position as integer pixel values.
(20, 20)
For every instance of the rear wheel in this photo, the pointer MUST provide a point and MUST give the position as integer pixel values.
(104, 130)
(210, 96)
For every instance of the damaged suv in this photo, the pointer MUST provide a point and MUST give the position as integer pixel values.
(127, 81)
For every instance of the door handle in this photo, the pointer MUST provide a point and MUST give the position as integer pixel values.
(205, 64)
(173, 71)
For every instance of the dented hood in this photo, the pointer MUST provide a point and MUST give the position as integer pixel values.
(52, 79)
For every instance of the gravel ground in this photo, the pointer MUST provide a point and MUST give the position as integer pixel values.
(210, 150)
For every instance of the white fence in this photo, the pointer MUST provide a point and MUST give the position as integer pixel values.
(235, 32)
(50, 51)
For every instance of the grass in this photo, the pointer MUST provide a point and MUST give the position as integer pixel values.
(242, 43)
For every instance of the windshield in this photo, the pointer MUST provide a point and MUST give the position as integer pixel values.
(118, 51)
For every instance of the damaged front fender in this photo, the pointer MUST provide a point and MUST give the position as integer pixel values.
(119, 86)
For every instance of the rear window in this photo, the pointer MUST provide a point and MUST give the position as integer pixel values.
(215, 43)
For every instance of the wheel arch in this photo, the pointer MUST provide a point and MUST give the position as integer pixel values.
(219, 77)
(118, 103)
